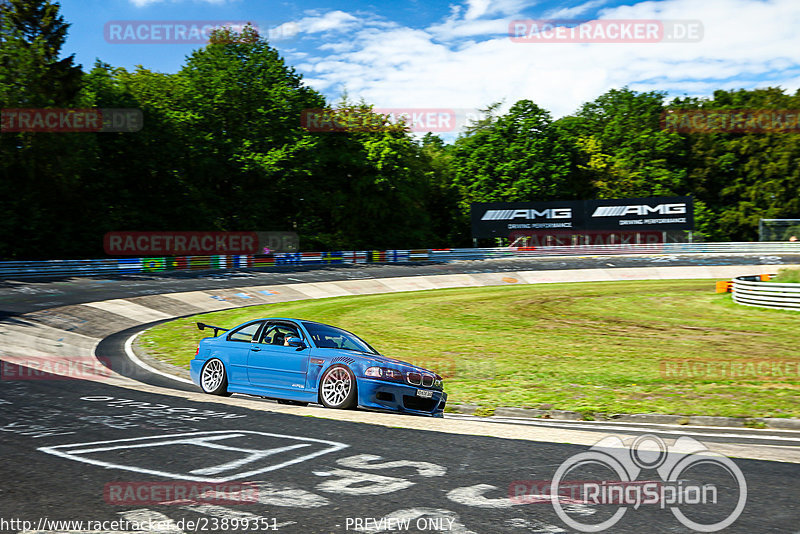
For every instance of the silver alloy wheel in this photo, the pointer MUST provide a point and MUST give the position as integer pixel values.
(213, 375)
(336, 386)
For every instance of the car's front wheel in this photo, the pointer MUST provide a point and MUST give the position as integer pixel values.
(337, 388)
(213, 379)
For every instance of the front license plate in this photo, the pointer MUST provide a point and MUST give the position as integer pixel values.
(424, 393)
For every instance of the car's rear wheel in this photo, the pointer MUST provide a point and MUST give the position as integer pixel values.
(337, 388)
(213, 379)
(292, 402)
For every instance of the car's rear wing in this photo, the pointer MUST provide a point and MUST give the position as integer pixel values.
(217, 329)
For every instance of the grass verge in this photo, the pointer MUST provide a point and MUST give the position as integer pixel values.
(604, 347)
(787, 276)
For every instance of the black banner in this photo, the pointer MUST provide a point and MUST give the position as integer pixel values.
(634, 214)
(499, 219)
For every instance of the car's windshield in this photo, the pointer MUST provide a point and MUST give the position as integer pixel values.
(329, 337)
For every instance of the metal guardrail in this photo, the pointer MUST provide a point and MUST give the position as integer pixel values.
(780, 247)
(104, 267)
(750, 292)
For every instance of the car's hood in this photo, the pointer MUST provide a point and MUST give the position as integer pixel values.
(380, 359)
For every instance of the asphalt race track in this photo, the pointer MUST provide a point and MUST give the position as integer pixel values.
(117, 458)
(464, 478)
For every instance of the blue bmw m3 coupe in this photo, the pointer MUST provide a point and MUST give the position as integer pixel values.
(299, 362)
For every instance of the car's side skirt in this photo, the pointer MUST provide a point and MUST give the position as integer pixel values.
(300, 396)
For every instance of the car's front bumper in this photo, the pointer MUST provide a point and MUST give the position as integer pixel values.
(397, 397)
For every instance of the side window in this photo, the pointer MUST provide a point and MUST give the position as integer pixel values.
(276, 334)
(245, 333)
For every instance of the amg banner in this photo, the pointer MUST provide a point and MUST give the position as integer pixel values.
(635, 214)
(499, 219)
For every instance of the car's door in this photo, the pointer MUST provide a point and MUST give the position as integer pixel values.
(237, 347)
(272, 365)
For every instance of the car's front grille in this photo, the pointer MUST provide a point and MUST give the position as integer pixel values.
(419, 404)
(420, 379)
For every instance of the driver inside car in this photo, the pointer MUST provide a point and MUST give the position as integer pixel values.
(279, 335)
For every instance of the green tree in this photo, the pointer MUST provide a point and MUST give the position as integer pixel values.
(248, 152)
(449, 225)
(140, 180)
(739, 178)
(512, 157)
(37, 28)
(623, 152)
(372, 187)
(40, 173)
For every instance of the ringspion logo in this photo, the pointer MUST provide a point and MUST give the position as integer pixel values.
(705, 491)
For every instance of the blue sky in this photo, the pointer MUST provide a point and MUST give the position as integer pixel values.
(431, 54)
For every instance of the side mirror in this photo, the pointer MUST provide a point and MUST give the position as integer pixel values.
(296, 342)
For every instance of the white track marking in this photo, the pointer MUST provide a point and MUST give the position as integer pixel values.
(289, 497)
(534, 526)
(360, 461)
(135, 359)
(473, 496)
(639, 428)
(73, 451)
(207, 442)
(199, 442)
(352, 483)
(255, 455)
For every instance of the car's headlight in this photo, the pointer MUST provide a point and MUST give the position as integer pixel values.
(438, 383)
(383, 373)
(374, 372)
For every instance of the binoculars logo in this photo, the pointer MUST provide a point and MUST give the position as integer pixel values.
(693, 479)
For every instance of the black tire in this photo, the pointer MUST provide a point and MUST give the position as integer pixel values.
(337, 388)
(292, 403)
(214, 379)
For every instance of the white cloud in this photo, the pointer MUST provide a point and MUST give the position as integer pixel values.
(452, 28)
(330, 21)
(571, 12)
(474, 22)
(476, 8)
(747, 43)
